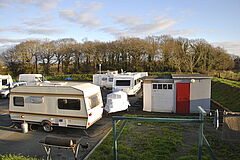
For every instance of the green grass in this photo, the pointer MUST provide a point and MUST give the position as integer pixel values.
(165, 141)
(15, 157)
(148, 141)
(227, 93)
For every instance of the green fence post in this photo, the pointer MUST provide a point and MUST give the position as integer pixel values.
(200, 137)
(114, 139)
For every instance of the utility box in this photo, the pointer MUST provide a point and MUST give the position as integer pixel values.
(177, 93)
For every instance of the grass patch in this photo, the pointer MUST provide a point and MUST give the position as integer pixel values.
(165, 141)
(227, 93)
(15, 157)
(147, 140)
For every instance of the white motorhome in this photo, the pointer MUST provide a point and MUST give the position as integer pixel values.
(61, 105)
(104, 80)
(127, 82)
(32, 79)
(6, 83)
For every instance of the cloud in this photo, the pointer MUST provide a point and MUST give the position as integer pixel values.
(85, 16)
(43, 4)
(2, 5)
(134, 26)
(44, 31)
(128, 20)
(39, 21)
(30, 30)
(212, 31)
(4, 40)
(179, 32)
(230, 47)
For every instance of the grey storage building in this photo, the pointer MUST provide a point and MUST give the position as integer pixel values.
(178, 93)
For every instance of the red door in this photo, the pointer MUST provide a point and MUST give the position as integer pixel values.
(183, 98)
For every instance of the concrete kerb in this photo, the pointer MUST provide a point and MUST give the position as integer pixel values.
(95, 147)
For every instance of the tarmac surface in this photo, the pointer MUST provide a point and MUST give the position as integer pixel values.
(13, 141)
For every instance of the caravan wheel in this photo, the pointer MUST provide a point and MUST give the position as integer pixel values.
(47, 126)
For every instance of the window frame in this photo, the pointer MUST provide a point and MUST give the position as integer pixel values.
(91, 98)
(16, 104)
(78, 108)
(122, 84)
(6, 82)
(154, 86)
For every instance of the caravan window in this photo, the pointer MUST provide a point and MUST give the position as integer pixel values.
(104, 79)
(69, 104)
(94, 101)
(110, 79)
(18, 101)
(123, 82)
(4, 81)
(36, 99)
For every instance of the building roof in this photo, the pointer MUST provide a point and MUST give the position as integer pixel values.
(187, 76)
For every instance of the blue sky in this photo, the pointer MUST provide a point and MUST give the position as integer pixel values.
(217, 21)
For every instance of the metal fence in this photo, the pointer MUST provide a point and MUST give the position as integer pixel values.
(201, 138)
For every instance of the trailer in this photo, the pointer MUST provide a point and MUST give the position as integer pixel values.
(104, 79)
(117, 101)
(6, 83)
(177, 93)
(128, 82)
(69, 105)
(33, 79)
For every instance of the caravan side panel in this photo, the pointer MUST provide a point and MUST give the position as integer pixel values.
(47, 108)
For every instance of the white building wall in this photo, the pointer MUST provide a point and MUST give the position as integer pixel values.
(147, 97)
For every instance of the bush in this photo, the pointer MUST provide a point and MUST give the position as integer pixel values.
(15, 157)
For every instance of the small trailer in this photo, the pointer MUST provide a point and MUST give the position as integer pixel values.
(60, 105)
(117, 101)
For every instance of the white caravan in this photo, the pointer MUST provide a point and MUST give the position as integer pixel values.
(6, 83)
(127, 82)
(104, 80)
(32, 79)
(117, 101)
(67, 106)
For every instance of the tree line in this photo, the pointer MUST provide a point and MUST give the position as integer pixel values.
(152, 54)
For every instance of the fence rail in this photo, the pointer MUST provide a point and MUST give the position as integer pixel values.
(201, 138)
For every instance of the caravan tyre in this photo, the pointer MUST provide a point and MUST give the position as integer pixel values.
(47, 127)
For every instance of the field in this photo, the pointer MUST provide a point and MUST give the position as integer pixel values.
(165, 141)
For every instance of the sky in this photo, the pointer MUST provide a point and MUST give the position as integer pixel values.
(216, 21)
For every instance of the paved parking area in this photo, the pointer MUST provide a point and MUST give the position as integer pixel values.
(15, 142)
